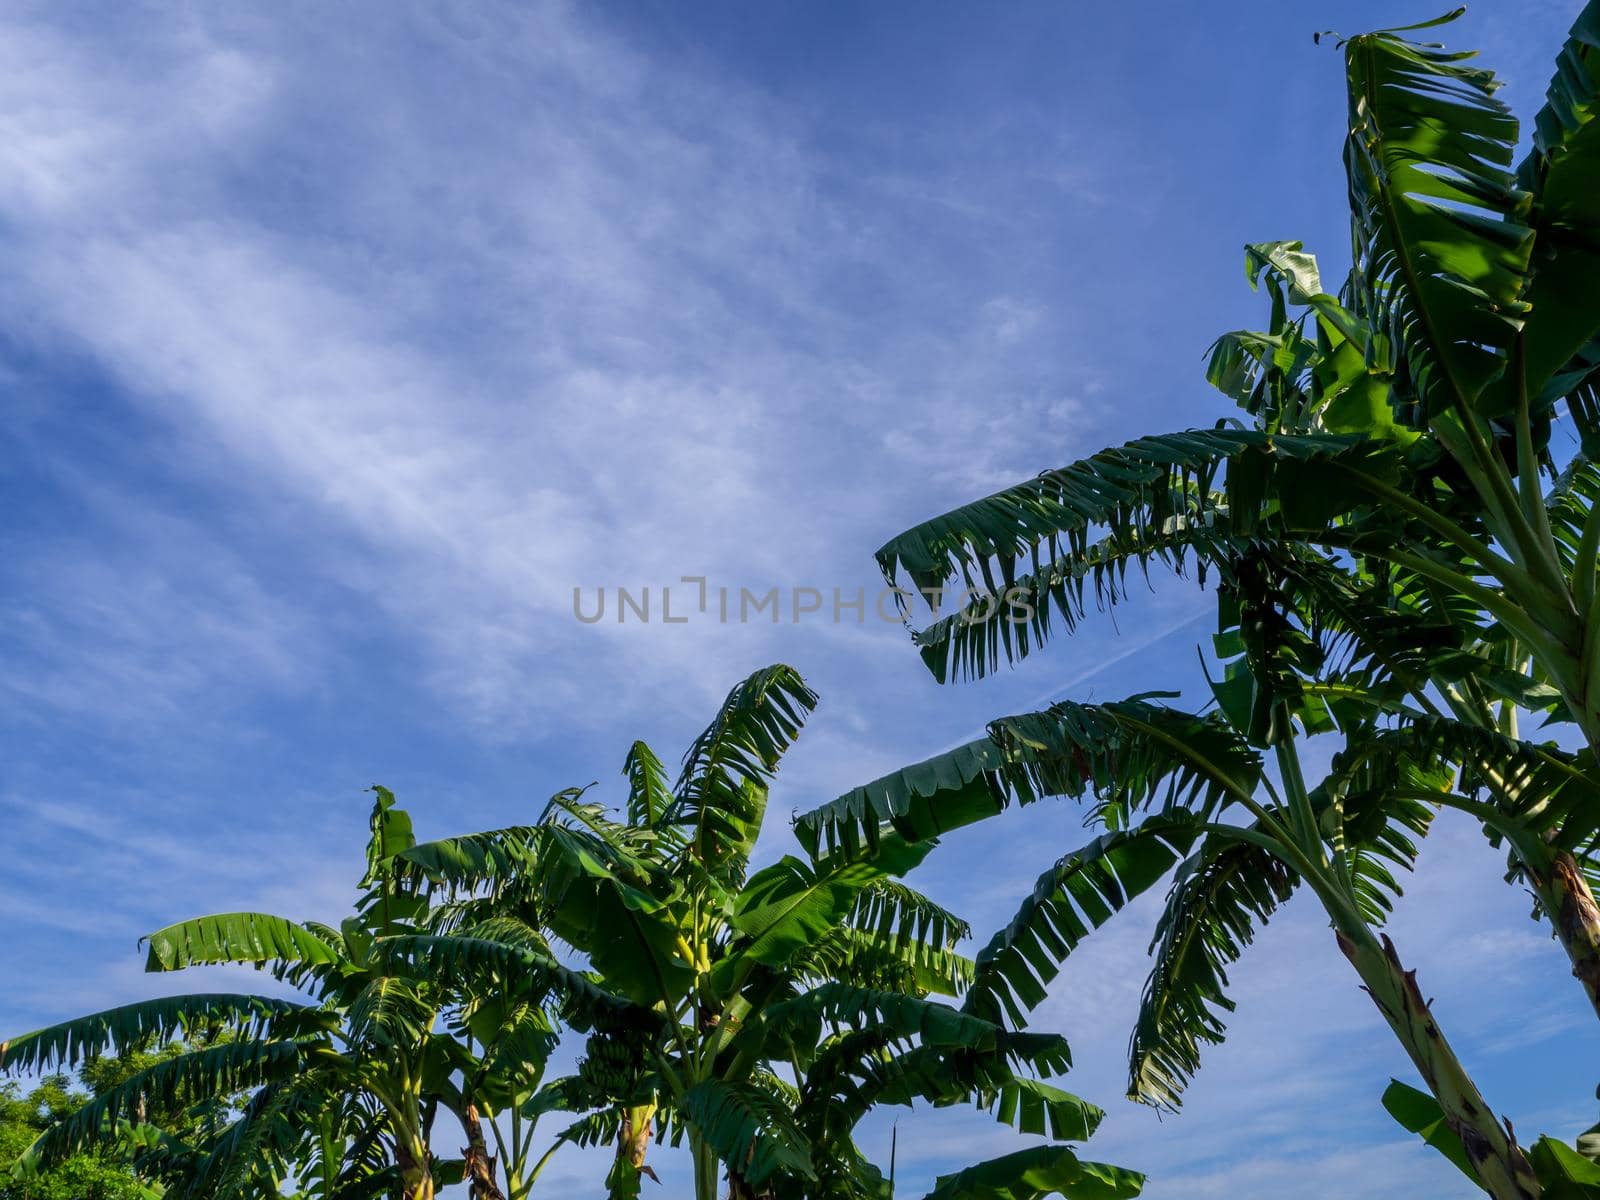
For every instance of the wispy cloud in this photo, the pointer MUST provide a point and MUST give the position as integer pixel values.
(489, 368)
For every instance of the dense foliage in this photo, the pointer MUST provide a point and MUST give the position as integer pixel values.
(1405, 557)
(24, 1116)
(756, 1015)
(772, 1009)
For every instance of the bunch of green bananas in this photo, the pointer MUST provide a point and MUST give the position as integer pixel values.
(613, 1067)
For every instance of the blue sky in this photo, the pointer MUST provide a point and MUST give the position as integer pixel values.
(339, 344)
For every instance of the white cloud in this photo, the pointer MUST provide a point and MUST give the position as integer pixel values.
(571, 326)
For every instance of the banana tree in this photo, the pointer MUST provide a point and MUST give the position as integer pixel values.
(1462, 676)
(1452, 690)
(783, 1003)
(326, 1139)
(1190, 792)
(157, 1148)
(342, 1086)
(643, 899)
(859, 1048)
(1032, 1174)
(273, 1049)
(1563, 1170)
(1399, 434)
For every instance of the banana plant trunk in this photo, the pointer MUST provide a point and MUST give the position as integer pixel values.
(479, 1163)
(1562, 890)
(706, 1169)
(1570, 904)
(416, 1174)
(1502, 1168)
